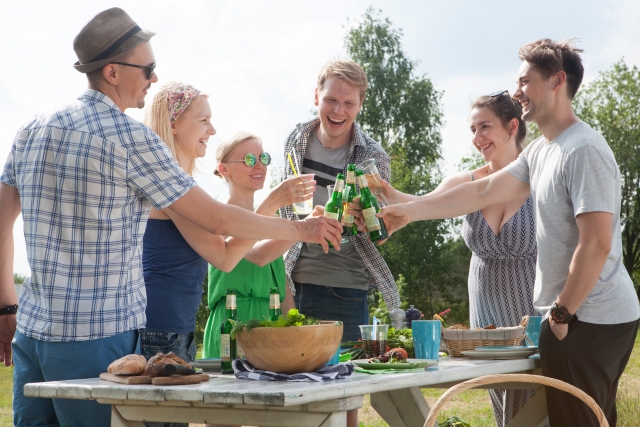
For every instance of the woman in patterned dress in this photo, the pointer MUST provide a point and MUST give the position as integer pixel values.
(501, 237)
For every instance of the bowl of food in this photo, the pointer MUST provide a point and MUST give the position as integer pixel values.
(290, 349)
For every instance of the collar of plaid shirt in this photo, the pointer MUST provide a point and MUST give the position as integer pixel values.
(362, 148)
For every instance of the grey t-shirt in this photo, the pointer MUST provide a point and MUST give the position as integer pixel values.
(343, 268)
(574, 174)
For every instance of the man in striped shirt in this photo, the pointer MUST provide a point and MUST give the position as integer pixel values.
(85, 177)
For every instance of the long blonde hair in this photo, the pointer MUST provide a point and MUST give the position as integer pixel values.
(225, 148)
(158, 119)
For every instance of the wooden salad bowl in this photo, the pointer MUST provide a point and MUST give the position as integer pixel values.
(291, 350)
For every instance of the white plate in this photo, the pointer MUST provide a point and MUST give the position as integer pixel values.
(501, 354)
(506, 348)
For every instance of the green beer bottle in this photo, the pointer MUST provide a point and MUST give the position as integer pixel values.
(369, 206)
(349, 227)
(274, 304)
(333, 208)
(228, 345)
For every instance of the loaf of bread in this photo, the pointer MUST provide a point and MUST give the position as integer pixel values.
(155, 365)
(131, 364)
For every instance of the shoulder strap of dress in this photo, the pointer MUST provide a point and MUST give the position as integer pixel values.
(471, 175)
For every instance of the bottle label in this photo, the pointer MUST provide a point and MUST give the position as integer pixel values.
(274, 301)
(332, 215)
(225, 347)
(339, 186)
(351, 177)
(362, 181)
(348, 220)
(231, 302)
(370, 218)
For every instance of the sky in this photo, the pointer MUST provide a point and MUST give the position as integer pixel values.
(259, 60)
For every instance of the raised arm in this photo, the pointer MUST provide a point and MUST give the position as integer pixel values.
(10, 202)
(497, 188)
(218, 218)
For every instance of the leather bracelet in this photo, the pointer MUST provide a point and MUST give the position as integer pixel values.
(9, 309)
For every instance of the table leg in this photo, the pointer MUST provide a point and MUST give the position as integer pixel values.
(118, 421)
(405, 407)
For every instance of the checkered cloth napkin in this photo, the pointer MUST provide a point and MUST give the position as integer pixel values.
(244, 370)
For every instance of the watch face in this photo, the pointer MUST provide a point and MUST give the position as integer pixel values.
(559, 316)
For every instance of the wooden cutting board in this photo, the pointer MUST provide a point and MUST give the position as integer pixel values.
(145, 379)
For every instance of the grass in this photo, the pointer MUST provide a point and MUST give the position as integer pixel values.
(473, 406)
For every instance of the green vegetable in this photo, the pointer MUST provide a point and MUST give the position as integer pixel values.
(293, 318)
(402, 338)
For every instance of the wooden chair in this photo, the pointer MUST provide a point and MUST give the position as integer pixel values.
(517, 378)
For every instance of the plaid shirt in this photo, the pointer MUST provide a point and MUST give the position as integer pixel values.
(367, 148)
(87, 175)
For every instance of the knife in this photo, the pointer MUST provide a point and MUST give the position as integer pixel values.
(170, 369)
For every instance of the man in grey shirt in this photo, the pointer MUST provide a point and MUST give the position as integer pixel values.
(581, 284)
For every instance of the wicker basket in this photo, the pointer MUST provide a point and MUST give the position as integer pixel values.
(501, 378)
(459, 340)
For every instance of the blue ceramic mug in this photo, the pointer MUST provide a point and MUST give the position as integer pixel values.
(533, 330)
(426, 338)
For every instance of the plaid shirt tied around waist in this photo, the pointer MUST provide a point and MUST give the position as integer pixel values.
(367, 148)
(87, 175)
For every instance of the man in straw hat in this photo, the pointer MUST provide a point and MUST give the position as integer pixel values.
(85, 178)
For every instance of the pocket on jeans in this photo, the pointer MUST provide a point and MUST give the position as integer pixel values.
(346, 294)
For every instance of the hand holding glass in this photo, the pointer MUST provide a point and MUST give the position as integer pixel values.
(373, 179)
(303, 207)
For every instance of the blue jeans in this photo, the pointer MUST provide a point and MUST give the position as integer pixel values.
(183, 346)
(38, 361)
(328, 303)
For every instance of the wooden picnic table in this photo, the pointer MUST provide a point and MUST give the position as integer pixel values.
(227, 400)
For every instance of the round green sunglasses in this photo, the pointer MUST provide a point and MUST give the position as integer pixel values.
(250, 159)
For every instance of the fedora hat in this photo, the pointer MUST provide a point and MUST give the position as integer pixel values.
(109, 34)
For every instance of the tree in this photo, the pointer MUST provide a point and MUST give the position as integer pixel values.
(402, 111)
(611, 105)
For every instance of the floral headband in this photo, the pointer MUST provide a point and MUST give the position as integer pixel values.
(179, 97)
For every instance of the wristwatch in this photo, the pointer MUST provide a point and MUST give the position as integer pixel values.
(9, 309)
(560, 314)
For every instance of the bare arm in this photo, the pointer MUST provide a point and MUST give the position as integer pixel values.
(218, 218)
(497, 188)
(10, 202)
(589, 257)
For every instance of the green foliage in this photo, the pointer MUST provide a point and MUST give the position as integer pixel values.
(611, 105)
(532, 132)
(455, 422)
(18, 278)
(203, 312)
(403, 112)
(473, 161)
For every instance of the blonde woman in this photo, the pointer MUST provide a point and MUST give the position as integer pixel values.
(242, 163)
(176, 251)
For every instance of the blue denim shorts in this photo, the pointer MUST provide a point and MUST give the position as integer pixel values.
(38, 361)
(183, 345)
(328, 303)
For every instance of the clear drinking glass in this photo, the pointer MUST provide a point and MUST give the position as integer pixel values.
(304, 207)
(346, 190)
(373, 179)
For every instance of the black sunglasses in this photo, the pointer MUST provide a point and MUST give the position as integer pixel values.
(502, 92)
(250, 159)
(148, 69)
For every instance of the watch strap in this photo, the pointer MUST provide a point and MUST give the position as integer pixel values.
(9, 309)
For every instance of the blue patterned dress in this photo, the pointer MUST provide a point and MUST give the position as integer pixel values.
(501, 279)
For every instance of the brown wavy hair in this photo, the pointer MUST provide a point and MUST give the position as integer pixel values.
(506, 109)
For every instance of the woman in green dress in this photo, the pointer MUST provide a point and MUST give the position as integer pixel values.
(242, 163)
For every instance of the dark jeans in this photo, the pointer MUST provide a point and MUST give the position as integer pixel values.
(591, 357)
(329, 303)
(183, 345)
